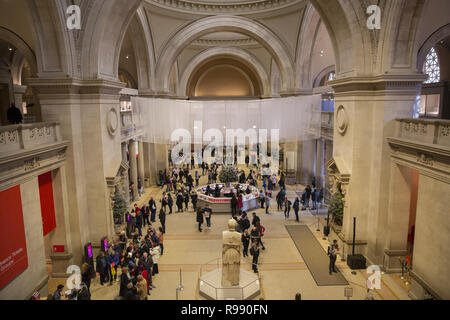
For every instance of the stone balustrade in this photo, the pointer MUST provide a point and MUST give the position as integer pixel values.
(18, 138)
(427, 131)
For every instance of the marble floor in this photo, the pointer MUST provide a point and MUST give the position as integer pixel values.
(283, 273)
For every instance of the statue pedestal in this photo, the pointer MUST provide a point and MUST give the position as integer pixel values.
(211, 286)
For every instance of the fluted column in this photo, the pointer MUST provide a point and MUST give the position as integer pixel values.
(133, 167)
(140, 160)
(320, 164)
(126, 174)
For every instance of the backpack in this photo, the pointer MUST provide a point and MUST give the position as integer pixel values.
(252, 251)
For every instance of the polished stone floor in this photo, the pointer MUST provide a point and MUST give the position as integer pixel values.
(282, 270)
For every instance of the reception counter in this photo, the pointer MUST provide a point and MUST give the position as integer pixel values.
(223, 204)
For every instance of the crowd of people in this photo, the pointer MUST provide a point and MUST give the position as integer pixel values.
(133, 258)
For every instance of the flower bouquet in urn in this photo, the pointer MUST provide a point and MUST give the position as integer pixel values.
(228, 175)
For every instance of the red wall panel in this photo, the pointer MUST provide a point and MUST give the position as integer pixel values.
(13, 244)
(47, 203)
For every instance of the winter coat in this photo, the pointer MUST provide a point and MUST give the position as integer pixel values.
(155, 253)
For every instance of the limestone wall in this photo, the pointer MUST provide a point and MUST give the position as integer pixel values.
(431, 247)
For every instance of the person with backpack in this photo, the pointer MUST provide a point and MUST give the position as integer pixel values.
(180, 201)
(254, 251)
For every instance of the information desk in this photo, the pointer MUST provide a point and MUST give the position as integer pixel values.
(223, 204)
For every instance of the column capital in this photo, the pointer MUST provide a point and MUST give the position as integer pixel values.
(379, 84)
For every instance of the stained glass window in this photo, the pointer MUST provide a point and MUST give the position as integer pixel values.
(431, 67)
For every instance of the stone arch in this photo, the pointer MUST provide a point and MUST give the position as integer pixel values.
(398, 52)
(234, 53)
(438, 35)
(103, 34)
(305, 46)
(144, 52)
(54, 45)
(346, 24)
(25, 52)
(208, 25)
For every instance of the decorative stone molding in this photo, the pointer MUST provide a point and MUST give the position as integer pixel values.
(341, 120)
(339, 176)
(420, 144)
(32, 164)
(112, 122)
(217, 7)
(425, 159)
(75, 86)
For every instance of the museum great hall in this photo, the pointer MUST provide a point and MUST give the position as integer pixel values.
(355, 94)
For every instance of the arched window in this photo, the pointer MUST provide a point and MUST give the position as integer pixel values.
(431, 67)
(331, 76)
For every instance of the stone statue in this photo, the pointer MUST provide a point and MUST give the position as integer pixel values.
(231, 255)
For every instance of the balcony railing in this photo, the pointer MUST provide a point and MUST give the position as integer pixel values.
(435, 132)
(17, 138)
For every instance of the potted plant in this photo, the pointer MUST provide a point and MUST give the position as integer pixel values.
(336, 208)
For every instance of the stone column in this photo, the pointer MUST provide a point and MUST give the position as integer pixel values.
(88, 113)
(320, 163)
(308, 151)
(364, 117)
(140, 160)
(61, 235)
(126, 174)
(132, 147)
(150, 163)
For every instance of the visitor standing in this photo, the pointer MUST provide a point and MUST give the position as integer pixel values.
(287, 208)
(268, 200)
(153, 208)
(162, 219)
(296, 208)
(245, 242)
(208, 213)
(102, 267)
(200, 219)
(169, 203)
(332, 253)
(254, 251)
(234, 204)
(161, 239)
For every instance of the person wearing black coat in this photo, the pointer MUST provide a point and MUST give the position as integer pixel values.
(256, 221)
(234, 203)
(169, 203)
(254, 251)
(152, 204)
(200, 219)
(131, 293)
(194, 198)
(102, 267)
(186, 199)
(245, 242)
(296, 208)
(146, 214)
(86, 274)
(180, 201)
(125, 279)
(162, 219)
(139, 222)
(287, 208)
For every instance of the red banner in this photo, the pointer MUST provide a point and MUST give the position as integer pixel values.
(13, 244)
(47, 203)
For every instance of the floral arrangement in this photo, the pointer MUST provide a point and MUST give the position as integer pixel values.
(228, 174)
